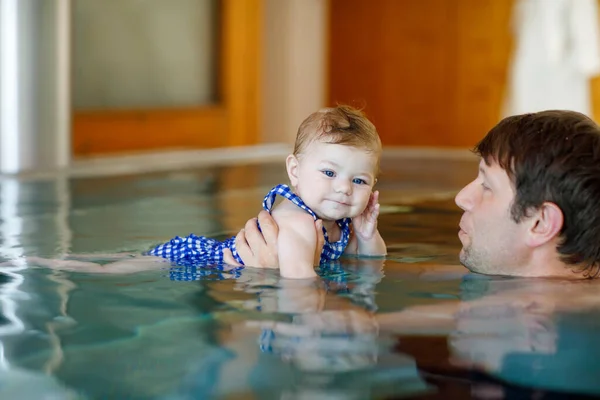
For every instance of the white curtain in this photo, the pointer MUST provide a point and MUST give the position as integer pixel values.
(557, 51)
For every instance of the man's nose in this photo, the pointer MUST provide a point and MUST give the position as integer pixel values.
(464, 198)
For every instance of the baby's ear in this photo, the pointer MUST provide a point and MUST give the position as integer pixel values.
(292, 164)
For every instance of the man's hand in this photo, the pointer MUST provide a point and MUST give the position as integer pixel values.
(320, 241)
(258, 249)
(255, 248)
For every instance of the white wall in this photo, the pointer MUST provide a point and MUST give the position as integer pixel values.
(144, 54)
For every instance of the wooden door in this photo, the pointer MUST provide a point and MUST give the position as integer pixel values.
(230, 120)
(427, 72)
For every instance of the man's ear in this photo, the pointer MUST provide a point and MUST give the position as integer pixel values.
(547, 222)
(292, 164)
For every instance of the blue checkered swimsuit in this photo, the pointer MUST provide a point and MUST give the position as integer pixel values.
(198, 251)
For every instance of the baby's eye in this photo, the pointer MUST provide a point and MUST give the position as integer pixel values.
(359, 181)
(329, 173)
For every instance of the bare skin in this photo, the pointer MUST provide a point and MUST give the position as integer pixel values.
(260, 249)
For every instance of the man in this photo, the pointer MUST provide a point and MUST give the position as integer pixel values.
(532, 211)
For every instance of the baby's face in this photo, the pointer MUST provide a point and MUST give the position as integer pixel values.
(335, 180)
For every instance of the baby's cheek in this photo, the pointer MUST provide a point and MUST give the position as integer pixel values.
(360, 208)
(365, 199)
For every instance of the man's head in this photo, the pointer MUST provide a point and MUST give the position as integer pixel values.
(536, 199)
(335, 162)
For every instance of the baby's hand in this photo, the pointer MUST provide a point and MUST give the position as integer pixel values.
(365, 225)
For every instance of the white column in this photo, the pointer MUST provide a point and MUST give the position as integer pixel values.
(35, 110)
(295, 65)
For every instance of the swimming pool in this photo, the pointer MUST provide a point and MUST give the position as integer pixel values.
(251, 335)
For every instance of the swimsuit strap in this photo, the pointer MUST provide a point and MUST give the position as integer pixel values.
(286, 192)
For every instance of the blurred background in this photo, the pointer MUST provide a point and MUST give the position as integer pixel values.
(84, 79)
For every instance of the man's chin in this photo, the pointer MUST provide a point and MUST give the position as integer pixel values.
(470, 268)
(475, 267)
(466, 262)
(462, 256)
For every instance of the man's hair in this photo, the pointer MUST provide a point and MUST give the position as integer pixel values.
(554, 156)
(343, 125)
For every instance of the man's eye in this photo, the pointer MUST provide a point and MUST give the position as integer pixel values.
(485, 187)
(359, 181)
(329, 173)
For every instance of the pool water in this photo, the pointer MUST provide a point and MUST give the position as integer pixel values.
(414, 325)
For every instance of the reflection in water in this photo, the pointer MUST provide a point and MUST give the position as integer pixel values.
(318, 339)
(63, 284)
(242, 333)
(11, 227)
(12, 224)
(535, 333)
(17, 382)
(348, 341)
(63, 287)
(9, 293)
(571, 365)
(151, 337)
(63, 201)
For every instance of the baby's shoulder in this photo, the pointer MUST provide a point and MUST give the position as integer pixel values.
(286, 212)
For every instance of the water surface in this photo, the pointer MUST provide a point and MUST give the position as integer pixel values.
(411, 326)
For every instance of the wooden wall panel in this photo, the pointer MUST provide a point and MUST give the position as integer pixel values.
(595, 88)
(233, 121)
(483, 46)
(427, 72)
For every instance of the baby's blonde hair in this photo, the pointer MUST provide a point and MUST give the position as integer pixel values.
(343, 125)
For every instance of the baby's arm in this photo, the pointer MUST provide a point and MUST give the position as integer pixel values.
(366, 239)
(296, 243)
(127, 265)
(372, 247)
(258, 247)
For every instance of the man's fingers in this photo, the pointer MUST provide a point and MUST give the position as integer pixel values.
(229, 259)
(320, 235)
(320, 241)
(253, 237)
(269, 228)
(258, 249)
(243, 250)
